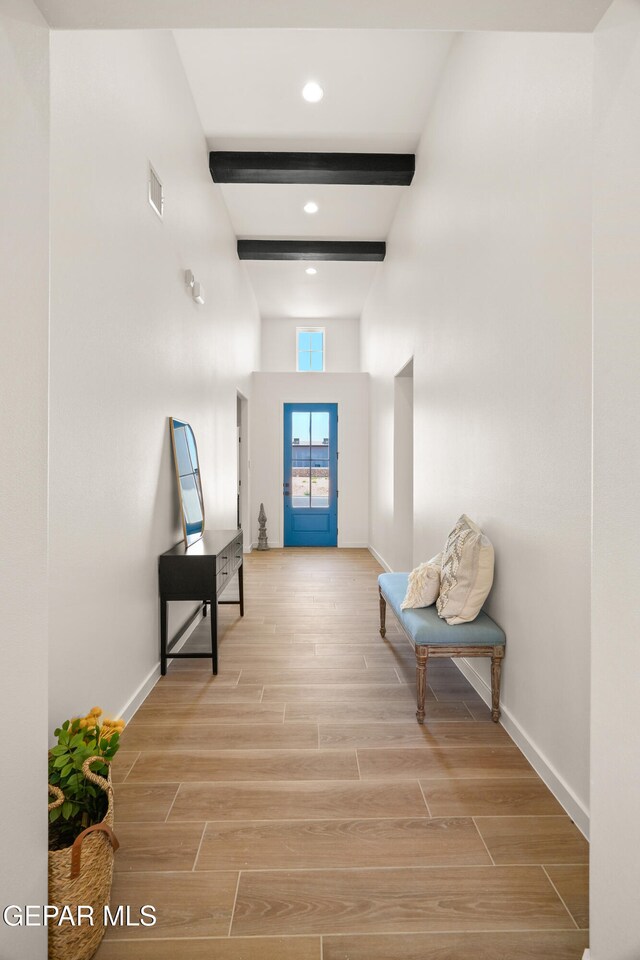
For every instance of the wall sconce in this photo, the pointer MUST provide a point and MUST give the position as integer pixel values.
(197, 290)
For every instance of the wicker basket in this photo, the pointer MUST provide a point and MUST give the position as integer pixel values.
(81, 875)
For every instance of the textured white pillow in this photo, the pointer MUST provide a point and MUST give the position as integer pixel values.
(424, 584)
(467, 572)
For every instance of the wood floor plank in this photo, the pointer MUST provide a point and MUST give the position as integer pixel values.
(236, 948)
(304, 800)
(464, 694)
(241, 713)
(211, 765)
(533, 945)
(387, 711)
(333, 625)
(440, 762)
(257, 658)
(288, 844)
(122, 764)
(490, 797)
(295, 676)
(572, 883)
(346, 692)
(339, 636)
(226, 676)
(261, 661)
(191, 694)
(187, 904)
(360, 735)
(397, 901)
(276, 647)
(189, 735)
(379, 650)
(533, 840)
(142, 801)
(157, 846)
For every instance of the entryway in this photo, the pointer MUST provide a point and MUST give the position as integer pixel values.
(310, 475)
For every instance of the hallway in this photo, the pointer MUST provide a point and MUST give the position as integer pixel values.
(292, 808)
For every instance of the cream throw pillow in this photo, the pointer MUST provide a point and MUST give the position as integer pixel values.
(424, 584)
(467, 573)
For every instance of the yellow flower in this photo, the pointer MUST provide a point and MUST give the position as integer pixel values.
(95, 711)
(82, 724)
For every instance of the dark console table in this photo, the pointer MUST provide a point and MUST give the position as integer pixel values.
(199, 572)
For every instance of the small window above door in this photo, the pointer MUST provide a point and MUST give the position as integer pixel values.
(310, 349)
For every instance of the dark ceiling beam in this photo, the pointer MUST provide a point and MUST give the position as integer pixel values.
(367, 250)
(377, 169)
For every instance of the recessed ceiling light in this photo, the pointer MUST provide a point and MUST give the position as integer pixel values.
(311, 207)
(312, 92)
(311, 271)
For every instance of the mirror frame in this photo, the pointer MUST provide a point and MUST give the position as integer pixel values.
(189, 538)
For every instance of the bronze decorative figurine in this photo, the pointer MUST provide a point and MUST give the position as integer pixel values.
(263, 543)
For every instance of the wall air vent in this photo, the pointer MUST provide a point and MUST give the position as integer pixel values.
(156, 193)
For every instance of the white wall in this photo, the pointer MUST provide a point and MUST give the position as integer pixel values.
(351, 392)
(129, 348)
(615, 771)
(487, 284)
(402, 558)
(24, 309)
(342, 344)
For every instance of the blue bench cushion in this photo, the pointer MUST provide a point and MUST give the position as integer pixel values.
(425, 626)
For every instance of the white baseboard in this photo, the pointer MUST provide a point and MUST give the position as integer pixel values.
(543, 767)
(141, 694)
(356, 545)
(134, 703)
(586, 954)
(381, 560)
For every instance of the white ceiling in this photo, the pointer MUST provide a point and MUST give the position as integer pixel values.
(275, 211)
(378, 86)
(541, 15)
(284, 290)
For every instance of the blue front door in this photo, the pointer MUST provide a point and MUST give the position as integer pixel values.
(310, 474)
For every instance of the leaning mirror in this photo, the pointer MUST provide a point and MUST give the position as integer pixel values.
(185, 456)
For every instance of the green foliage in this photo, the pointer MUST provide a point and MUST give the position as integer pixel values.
(85, 803)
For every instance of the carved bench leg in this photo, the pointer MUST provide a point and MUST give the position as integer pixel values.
(421, 681)
(383, 613)
(496, 671)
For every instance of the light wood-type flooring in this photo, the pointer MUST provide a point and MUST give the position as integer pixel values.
(291, 808)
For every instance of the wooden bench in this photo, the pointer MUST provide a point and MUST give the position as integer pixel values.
(433, 637)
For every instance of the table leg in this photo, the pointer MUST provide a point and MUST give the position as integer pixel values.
(214, 635)
(163, 637)
(241, 587)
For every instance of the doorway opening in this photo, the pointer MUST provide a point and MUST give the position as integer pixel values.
(242, 451)
(403, 468)
(310, 488)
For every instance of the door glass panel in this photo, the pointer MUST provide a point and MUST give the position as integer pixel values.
(300, 479)
(320, 459)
